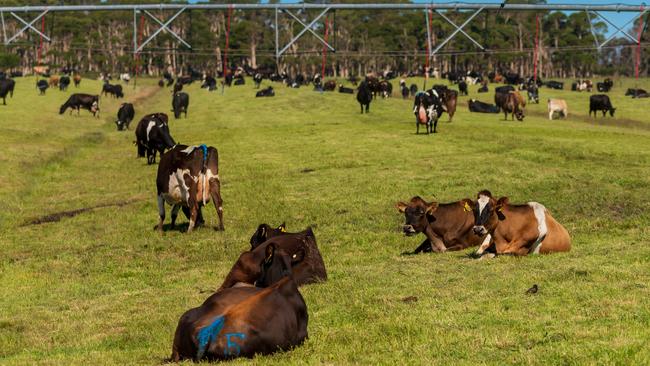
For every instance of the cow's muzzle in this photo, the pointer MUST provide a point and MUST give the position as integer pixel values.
(408, 230)
(479, 230)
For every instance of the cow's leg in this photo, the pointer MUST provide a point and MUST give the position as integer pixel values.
(175, 209)
(417, 126)
(149, 160)
(435, 125)
(215, 194)
(424, 247)
(368, 108)
(199, 218)
(191, 201)
(161, 212)
(550, 115)
(484, 245)
(361, 105)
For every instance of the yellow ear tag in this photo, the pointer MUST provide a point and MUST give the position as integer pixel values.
(467, 208)
(282, 229)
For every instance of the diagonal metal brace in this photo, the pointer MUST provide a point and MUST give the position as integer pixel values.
(305, 29)
(593, 32)
(458, 30)
(621, 29)
(310, 30)
(163, 26)
(27, 26)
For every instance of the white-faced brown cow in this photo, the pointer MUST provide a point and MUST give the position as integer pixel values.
(517, 229)
(188, 177)
(447, 226)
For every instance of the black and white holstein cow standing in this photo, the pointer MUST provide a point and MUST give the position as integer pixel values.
(188, 177)
(124, 116)
(85, 101)
(427, 109)
(180, 102)
(152, 135)
(6, 87)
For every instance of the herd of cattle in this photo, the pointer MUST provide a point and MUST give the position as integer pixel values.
(258, 309)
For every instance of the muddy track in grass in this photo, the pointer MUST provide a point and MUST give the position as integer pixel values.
(57, 216)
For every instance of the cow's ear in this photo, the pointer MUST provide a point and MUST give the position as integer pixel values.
(432, 207)
(401, 206)
(262, 231)
(499, 207)
(467, 204)
(283, 227)
(270, 251)
(298, 257)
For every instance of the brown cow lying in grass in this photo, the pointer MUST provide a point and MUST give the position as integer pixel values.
(244, 321)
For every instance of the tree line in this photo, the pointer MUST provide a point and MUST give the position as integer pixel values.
(365, 40)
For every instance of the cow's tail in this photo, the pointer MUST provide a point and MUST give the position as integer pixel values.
(204, 171)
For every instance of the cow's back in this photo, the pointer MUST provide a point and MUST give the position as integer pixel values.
(557, 238)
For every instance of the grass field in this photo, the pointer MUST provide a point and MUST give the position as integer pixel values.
(104, 288)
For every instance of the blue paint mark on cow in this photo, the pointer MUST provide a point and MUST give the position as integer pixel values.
(232, 344)
(209, 334)
(205, 151)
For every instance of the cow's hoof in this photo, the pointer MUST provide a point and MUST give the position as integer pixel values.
(487, 256)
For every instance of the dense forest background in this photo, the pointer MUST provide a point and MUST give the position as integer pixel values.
(364, 40)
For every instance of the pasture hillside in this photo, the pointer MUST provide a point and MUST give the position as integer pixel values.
(100, 286)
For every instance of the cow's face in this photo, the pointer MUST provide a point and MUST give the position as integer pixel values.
(416, 213)
(611, 111)
(519, 114)
(277, 264)
(264, 232)
(487, 212)
(94, 108)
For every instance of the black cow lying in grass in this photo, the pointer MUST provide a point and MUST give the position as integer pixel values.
(634, 93)
(249, 320)
(480, 107)
(6, 87)
(124, 116)
(180, 103)
(267, 92)
(310, 269)
(345, 90)
(79, 101)
(188, 177)
(152, 135)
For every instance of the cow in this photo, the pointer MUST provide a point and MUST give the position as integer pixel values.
(510, 103)
(125, 77)
(364, 96)
(642, 95)
(161, 83)
(533, 94)
(480, 107)
(42, 86)
(462, 88)
(209, 83)
(265, 232)
(239, 80)
(257, 79)
(77, 80)
(78, 101)
(504, 89)
(345, 90)
(310, 270)
(170, 79)
(64, 82)
(114, 90)
(554, 85)
(54, 81)
(516, 229)
(447, 226)
(152, 135)
(6, 87)
(427, 109)
(512, 78)
(404, 90)
(600, 102)
(188, 177)
(557, 106)
(413, 89)
(373, 85)
(267, 92)
(247, 320)
(483, 88)
(329, 85)
(177, 87)
(605, 86)
(353, 79)
(124, 116)
(386, 89)
(180, 103)
(634, 92)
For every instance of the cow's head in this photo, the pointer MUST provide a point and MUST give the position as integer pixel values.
(487, 212)
(416, 213)
(519, 113)
(94, 108)
(611, 111)
(276, 265)
(265, 232)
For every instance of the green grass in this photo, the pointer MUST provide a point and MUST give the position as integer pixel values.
(104, 288)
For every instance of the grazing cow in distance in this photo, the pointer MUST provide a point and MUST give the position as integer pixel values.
(64, 82)
(555, 85)
(533, 94)
(126, 77)
(77, 80)
(386, 89)
(161, 83)
(78, 101)
(114, 90)
(462, 88)
(124, 116)
(310, 270)
(209, 83)
(557, 106)
(266, 92)
(42, 86)
(427, 109)
(345, 90)
(239, 80)
(188, 176)
(480, 107)
(510, 102)
(152, 135)
(364, 96)
(600, 102)
(54, 81)
(447, 226)
(413, 89)
(517, 229)
(247, 320)
(6, 87)
(257, 79)
(605, 86)
(180, 103)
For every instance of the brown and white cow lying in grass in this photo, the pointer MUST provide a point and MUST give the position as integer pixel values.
(447, 226)
(517, 229)
(188, 177)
